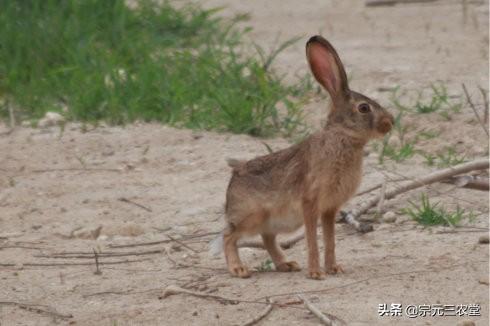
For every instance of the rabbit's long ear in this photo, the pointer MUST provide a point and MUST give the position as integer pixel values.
(327, 67)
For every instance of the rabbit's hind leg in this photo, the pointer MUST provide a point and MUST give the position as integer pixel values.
(277, 255)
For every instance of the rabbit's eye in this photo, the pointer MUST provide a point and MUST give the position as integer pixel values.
(364, 108)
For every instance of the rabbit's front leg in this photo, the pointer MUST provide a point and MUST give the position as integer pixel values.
(328, 224)
(310, 213)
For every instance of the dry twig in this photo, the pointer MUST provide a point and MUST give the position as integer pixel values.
(97, 270)
(379, 3)
(90, 255)
(484, 94)
(469, 181)
(76, 169)
(152, 243)
(470, 102)
(70, 264)
(129, 201)
(182, 244)
(381, 201)
(174, 289)
(326, 319)
(41, 309)
(261, 316)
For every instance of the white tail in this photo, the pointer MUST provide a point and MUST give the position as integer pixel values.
(216, 245)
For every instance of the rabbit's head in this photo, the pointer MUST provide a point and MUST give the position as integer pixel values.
(359, 115)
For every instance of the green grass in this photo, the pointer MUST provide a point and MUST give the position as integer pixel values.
(101, 60)
(443, 159)
(397, 153)
(404, 149)
(265, 266)
(429, 214)
(437, 101)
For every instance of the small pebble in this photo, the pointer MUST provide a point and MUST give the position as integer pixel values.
(389, 217)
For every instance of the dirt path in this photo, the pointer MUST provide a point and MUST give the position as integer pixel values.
(60, 192)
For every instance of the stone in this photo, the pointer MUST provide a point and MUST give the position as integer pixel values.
(51, 119)
(86, 232)
(389, 217)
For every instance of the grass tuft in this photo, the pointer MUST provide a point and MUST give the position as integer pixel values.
(430, 214)
(97, 60)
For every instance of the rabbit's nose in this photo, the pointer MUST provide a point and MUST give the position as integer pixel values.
(386, 124)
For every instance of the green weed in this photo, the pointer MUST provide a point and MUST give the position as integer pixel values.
(404, 150)
(438, 101)
(397, 153)
(450, 158)
(430, 214)
(266, 266)
(104, 61)
(447, 158)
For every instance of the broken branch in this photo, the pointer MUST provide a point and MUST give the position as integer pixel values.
(326, 319)
(42, 309)
(174, 289)
(261, 316)
(470, 102)
(129, 201)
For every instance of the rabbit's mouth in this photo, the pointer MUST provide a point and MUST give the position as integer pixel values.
(385, 125)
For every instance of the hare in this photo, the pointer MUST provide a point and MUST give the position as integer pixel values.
(280, 192)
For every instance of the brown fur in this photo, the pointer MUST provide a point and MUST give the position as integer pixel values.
(280, 192)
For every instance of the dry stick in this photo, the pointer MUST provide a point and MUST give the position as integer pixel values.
(379, 3)
(140, 244)
(445, 193)
(71, 264)
(89, 255)
(42, 309)
(351, 217)
(485, 101)
(381, 201)
(75, 169)
(379, 185)
(470, 181)
(125, 200)
(326, 319)
(161, 241)
(174, 289)
(97, 270)
(182, 244)
(470, 102)
(261, 316)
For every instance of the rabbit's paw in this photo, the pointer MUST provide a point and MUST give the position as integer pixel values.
(289, 266)
(316, 275)
(334, 269)
(239, 271)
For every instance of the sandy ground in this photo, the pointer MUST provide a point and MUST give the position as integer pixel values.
(60, 192)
